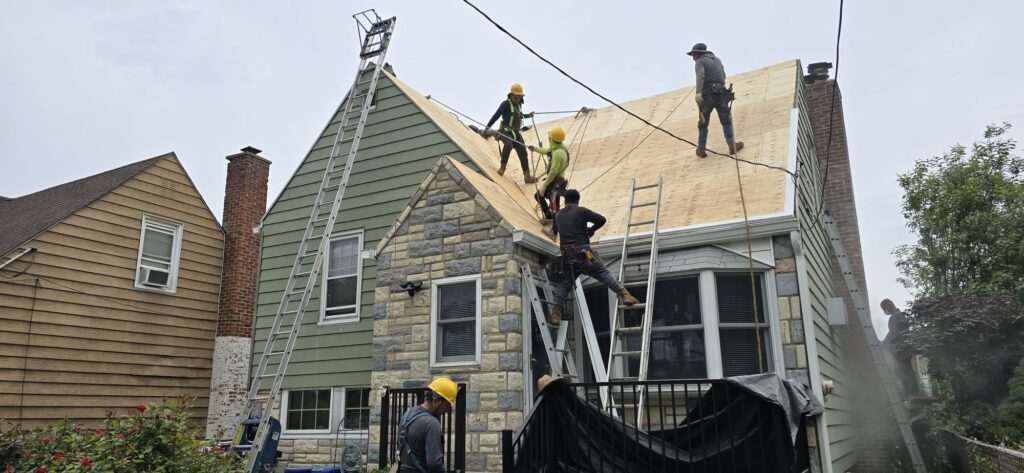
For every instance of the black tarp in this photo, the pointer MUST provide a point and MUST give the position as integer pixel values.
(748, 424)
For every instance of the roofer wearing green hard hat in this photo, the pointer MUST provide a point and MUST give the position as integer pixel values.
(420, 440)
(712, 95)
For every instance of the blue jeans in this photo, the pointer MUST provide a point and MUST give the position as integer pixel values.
(717, 101)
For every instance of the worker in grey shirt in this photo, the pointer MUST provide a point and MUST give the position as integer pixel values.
(574, 226)
(712, 95)
(420, 439)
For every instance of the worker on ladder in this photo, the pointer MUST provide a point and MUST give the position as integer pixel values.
(420, 438)
(554, 184)
(510, 111)
(575, 225)
(712, 95)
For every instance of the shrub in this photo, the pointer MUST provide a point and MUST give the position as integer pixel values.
(154, 438)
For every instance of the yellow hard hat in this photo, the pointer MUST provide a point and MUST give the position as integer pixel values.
(557, 134)
(446, 388)
(516, 89)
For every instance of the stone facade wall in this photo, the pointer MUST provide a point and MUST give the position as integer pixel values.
(451, 231)
(791, 329)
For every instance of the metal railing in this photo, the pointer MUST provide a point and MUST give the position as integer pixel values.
(394, 402)
(969, 455)
(689, 426)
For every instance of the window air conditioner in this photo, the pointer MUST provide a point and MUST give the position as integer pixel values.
(154, 277)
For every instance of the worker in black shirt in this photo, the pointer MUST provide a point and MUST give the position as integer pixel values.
(510, 111)
(420, 437)
(574, 226)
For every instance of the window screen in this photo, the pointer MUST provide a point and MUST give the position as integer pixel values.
(456, 322)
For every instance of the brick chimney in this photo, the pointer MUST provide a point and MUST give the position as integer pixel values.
(245, 201)
(874, 426)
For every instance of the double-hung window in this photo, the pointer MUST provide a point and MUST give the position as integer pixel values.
(746, 346)
(455, 321)
(159, 254)
(342, 279)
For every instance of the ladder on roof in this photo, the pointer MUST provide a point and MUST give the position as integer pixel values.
(269, 375)
(640, 251)
(864, 316)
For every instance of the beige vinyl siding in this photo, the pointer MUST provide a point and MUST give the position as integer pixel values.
(398, 147)
(85, 340)
(818, 256)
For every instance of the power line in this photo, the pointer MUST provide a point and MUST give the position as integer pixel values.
(832, 105)
(612, 102)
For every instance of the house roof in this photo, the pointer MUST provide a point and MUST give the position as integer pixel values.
(22, 218)
(608, 149)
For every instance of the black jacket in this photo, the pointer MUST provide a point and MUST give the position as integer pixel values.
(505, 112)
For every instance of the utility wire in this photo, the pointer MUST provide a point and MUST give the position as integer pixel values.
(612, 102)
(832, 104)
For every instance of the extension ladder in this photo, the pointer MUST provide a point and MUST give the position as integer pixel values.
(269, 375)
(864, 316)
(645, 251)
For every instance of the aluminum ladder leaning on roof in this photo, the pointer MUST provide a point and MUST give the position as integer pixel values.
(647, 245)
(309, 259)
(864, 316)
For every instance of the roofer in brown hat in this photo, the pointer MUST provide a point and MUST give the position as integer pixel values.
(712, 95)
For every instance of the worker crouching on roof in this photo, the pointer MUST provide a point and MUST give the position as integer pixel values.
(712, 95)
(420, 440)
(510, 131)
(555, 183)
(574, 226)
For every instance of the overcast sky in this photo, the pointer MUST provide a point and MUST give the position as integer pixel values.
(86, 86)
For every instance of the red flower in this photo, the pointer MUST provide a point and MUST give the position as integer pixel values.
(40, 470)
(120, 437)
(46, 441)
(99, 434)
(141, 407)
(85, 461)
(133, 430)
(28, 454)
(58, 456)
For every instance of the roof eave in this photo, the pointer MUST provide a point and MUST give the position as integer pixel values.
(533, 242)
(718, 232)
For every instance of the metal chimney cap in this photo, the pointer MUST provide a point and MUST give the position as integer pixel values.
(251, 150)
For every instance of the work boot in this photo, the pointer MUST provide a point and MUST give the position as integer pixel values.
(735, 147)
(545, 221)
(529, 179)
(555, 318)
(501, 170)
(702, 153)
(627, 298)
(548, 232)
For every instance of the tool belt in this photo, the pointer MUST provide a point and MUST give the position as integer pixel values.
(579, 258)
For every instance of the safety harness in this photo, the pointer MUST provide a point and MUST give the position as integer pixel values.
(403, 441)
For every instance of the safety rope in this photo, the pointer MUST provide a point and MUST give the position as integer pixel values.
(579, 150)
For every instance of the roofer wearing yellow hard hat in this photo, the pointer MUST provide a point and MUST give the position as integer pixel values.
(420, 440)
(555, 183)
(510, 131)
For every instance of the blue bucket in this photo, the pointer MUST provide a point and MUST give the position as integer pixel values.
(299, 469)
(327, 469)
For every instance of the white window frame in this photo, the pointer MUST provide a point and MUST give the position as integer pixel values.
(434, 334)
(339, 395)
(768, 314)
(346, 318)
(284, 412)
(178, 229)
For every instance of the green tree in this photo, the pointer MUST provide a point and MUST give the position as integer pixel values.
(1011, 410)
(967, 210)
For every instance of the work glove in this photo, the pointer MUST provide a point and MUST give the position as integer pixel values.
(700, 99)
(528, 115)
(530, 147)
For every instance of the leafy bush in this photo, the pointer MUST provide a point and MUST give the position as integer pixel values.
(155, 438)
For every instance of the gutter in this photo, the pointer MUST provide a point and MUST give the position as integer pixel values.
(706, 234)
(543, 246)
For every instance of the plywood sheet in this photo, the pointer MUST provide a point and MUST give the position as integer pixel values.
(616, 148)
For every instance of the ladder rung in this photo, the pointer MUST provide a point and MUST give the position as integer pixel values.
(268, 375)
(627, 353)
(275, 353)
(635, 283)
(634, 306)
(627, 378)
(641, 262)
(645, 204)
(304, 273)
(648, 186)
(646, 222)
(628, 330)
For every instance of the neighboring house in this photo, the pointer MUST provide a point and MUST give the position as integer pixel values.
(425, 205)
(115, 302)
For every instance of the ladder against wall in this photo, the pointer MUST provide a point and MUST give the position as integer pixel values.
(269, 374)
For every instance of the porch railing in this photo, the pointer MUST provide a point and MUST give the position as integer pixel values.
(394, 402)
(689, 426)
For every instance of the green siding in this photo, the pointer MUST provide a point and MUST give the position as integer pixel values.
(398, 147)
(818, 256)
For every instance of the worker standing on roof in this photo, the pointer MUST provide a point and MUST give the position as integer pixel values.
(555, 183)
(510, 131)
(420, 441)
(712, 95)
(575, 225)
